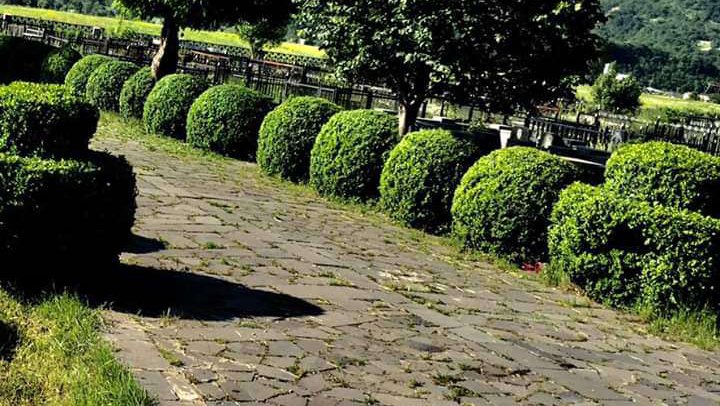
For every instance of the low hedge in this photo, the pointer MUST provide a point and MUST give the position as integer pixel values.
(58, 63)
(106, 82)
(21, 59)
(667, 174)
(226, 119)
(288, 134)
(64, 214)
(628, 253)
(349, 153)
(421, 175)
(135, 92)
(503, 203)
(44, 120)
(169, 103)
(78, 76)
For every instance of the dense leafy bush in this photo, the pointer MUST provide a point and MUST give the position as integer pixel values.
(626, 252)
(503, 203)
(226, 119)
(58, 63)
(169, 103)
(46, 120)
(667, 174)
(106, 83)
(78, 76)
(288, 134)
(348, 156)
(64, 213)
(617, 95)
(21, 59)
(135, 92)
(421, 175)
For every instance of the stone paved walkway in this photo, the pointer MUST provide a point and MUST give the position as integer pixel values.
(267, 295)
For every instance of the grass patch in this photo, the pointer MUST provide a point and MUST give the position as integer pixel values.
(698, 328)
(118, 25)
(61, 358)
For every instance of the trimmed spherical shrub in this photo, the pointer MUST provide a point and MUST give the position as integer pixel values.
(135, 92)
(349, 153)
(169, 103)
(64, 213)
(503, 203)
(45, 120)
(628, 253)
(78, 76)
(667, 174)
(288, 134)
(226, 119)
(106, 82)
(21, 59)
(58, 63)
(421, 175)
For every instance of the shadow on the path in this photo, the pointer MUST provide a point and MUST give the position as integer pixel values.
(152, 292)
(143, 245)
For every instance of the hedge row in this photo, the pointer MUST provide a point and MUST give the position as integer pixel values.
(106, 82)
(168, 104)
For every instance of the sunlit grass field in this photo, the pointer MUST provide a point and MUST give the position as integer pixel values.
(120, 25)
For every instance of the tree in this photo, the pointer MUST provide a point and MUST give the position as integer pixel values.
(201, 14)
(261, 34)
(497, 54)
(616, 93)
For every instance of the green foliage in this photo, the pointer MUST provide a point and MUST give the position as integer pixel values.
(78, 76)
(58, 63)
(226, 119)
(628, 253)
(288, 134)
(348, 156)
(616, 95)
(135, 92)
(21, 59)
(261, 34)
(106, 82)
(67, 214)
(95, 7)
(44, 120)
(421, 175)
(503, 203)
(169, 103)
(666, 174)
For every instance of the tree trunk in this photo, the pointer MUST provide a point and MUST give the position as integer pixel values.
(166, 59)
(408, 115)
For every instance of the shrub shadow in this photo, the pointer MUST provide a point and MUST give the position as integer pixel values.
(143, 245)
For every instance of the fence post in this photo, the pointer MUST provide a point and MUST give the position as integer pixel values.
(369, 100)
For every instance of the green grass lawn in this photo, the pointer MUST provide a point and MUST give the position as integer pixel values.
(120, 25)
(60, 357)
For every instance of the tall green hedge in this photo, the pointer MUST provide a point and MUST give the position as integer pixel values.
(46, 120)
(78, 76)
(503, 203)
(667, 174)
(169, 103)
(21, 59)
(288, 134)
(58, 63)
(106, 82)
(421, 175)
(226, 119)
(135, 92)
(626, 253)
(349, 153)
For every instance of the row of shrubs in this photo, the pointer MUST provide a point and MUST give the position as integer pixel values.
(61, 204)
(647, 236)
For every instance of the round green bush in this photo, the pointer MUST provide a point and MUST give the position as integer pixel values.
(21, 59)
(627, 253)
(667, 174)
(45, 120)
(349, 153)
(421, 175)
(169, 103)
(58, 63)
(288, 134)
(135, 92)
(226, 119)
(106, 83)
(78, 76)
(503, 203)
